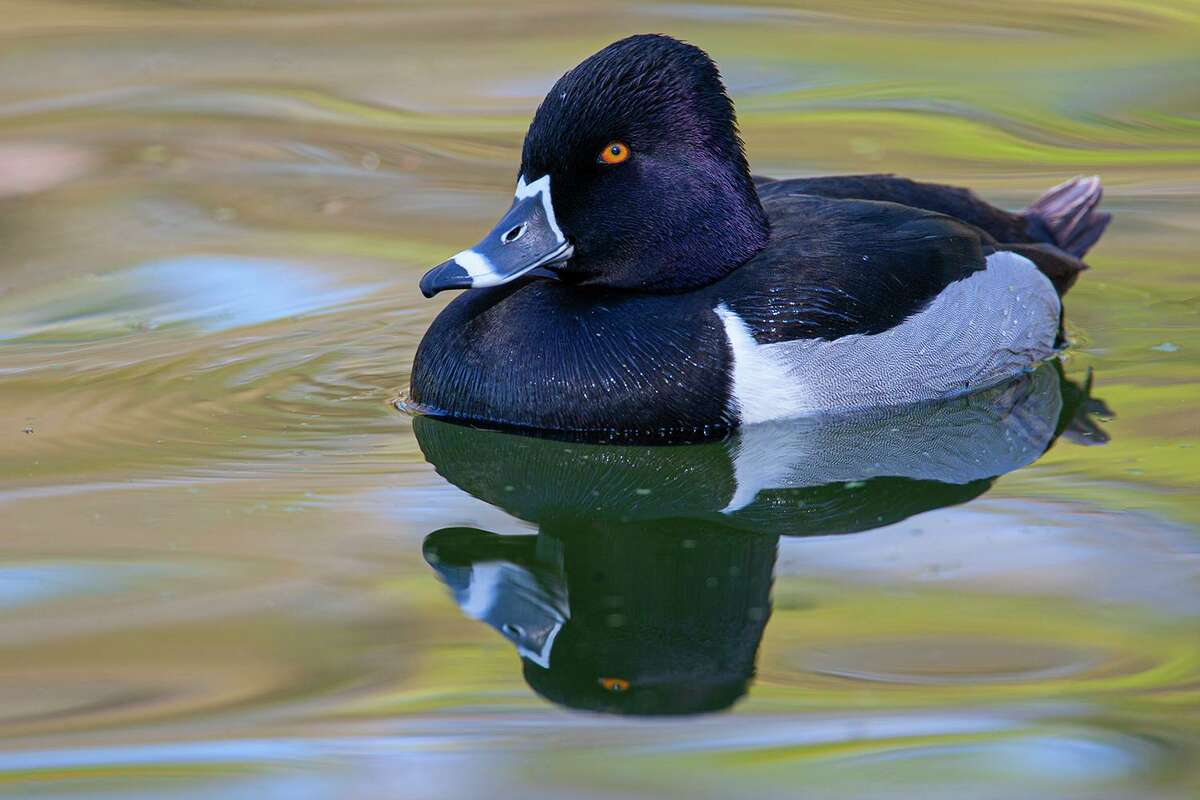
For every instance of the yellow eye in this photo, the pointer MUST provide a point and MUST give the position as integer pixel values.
(614, 153)
(614, 685)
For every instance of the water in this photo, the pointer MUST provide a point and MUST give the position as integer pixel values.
(227, 568)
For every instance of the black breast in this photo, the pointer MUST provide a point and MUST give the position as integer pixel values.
(540, 355)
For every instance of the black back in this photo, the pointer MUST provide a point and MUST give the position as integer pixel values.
(840, 267)
(953, 201)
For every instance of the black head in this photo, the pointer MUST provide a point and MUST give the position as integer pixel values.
(632, 176)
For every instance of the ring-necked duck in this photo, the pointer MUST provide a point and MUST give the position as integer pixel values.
(645, 284)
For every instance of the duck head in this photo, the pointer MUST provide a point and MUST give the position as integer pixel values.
(632, 177)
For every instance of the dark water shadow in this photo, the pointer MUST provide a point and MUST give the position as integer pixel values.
(648, 585)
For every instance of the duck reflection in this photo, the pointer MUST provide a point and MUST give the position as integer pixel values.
(647, 587)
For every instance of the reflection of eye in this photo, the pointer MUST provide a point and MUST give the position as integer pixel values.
(614, 684)
(614, 153)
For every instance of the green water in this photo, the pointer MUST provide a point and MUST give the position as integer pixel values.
(217, 573)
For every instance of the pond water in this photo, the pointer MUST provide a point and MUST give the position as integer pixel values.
(228, 567)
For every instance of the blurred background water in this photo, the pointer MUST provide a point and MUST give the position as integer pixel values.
(213, 216)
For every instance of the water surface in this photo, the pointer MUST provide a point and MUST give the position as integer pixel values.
(229, 568)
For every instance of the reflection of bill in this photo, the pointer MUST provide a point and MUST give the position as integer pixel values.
(511, 599)
(647, 587)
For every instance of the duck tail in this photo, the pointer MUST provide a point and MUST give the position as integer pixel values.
(1066, 216)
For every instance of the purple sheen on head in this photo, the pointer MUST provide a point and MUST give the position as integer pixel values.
(682, 210)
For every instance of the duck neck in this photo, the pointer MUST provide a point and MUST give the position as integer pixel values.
(737, 231)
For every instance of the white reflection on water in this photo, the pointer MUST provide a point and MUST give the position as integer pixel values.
(29, 584)
(207, 292)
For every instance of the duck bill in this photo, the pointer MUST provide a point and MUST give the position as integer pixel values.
(527, 238)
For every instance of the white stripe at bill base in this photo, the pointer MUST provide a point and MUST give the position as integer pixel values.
(541, 187)
(477, 265)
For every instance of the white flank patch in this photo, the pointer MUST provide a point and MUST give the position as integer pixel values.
(540, 187)
(763, 387)
(494, 581)
(993, 325)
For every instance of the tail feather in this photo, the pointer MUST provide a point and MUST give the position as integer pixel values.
(1066, 216)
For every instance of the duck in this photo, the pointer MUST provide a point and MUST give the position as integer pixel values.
(645, 285)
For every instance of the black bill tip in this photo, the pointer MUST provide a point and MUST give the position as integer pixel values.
(447, 275)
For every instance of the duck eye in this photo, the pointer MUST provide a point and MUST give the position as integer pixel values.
(614, 685)
(614, 153)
